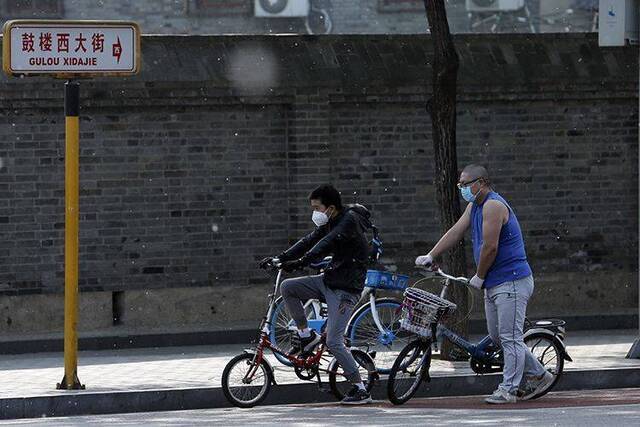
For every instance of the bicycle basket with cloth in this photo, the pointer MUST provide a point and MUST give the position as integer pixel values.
(421, 308)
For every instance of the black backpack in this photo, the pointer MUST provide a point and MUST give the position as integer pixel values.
(375, 244)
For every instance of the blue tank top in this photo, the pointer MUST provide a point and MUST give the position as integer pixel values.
(511, 260)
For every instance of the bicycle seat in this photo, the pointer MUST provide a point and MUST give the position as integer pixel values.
(547, 323)
(556, 326)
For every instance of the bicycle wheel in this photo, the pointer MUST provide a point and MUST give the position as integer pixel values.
(246, 393)
(363, 332)
(408, 371)
(548, 353)
(280, 334)
(367, 369)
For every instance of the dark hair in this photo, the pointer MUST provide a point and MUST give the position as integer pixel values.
(328, 195)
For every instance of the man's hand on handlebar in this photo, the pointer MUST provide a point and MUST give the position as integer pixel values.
(424, 261)
(267, 262)
(276, 263)
(476, 282)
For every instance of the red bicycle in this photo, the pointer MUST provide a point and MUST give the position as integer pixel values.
(248, 377)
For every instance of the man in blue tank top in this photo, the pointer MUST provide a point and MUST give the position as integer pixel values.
(504, 274)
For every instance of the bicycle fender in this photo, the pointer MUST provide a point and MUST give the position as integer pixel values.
(358, 311)
(560, 343)
(535, 331)
(266, 361)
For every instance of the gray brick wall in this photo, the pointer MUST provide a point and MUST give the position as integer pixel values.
(183, 195)
(187, 178)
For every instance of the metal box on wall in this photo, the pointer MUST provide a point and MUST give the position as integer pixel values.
(618, 22)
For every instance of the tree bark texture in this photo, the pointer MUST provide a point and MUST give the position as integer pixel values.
(442, 109)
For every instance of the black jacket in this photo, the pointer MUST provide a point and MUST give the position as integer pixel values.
(344, 238)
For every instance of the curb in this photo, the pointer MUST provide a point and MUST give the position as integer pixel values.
(212, 397)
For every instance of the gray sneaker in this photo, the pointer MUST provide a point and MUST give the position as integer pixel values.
(357, 396)
(501, 396)
(537, 385)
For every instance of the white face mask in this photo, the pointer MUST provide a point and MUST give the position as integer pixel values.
(319, 218)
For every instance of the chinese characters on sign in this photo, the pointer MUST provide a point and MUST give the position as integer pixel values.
(72, 48)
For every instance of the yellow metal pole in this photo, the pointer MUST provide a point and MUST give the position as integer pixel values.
(71, 230)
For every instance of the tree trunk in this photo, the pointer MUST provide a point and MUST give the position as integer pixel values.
(442, 109)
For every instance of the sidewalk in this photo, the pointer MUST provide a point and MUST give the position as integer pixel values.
(188, 377)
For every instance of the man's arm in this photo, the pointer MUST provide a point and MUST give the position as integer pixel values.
(494, 214)
(454, 234)
(303, 245)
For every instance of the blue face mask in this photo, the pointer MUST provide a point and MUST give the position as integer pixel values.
(467, 194)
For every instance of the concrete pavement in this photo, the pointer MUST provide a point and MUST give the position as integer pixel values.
(189, 377)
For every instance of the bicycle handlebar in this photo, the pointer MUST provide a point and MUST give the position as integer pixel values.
(455, 279)
(441, 273)
(275, 264)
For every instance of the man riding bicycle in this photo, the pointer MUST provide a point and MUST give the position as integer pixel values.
(504, 274)
(339, 232)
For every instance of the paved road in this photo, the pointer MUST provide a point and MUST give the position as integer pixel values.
(619, 407)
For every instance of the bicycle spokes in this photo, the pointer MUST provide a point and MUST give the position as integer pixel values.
(246, 380)
(386, 342)
(408, 371)
(544, 350)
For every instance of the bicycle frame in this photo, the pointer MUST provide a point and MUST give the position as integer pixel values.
(479, 351)
(265, 343)
(370, 293)
(378, 320)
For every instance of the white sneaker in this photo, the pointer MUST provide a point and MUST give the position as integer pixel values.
(501, 396)
(306, 345)
(537, 385)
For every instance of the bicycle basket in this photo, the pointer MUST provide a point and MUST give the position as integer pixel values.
(421, 308)
(385, 280)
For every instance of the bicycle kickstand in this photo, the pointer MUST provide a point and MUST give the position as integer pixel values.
(320, 386)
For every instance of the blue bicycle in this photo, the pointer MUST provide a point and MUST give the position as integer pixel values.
(422, 312)
(374, 325)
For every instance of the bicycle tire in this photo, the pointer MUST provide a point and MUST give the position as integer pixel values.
(363, 332)
(416, 351)
(365, 362)
(279, 335)
(558, 357)
(233, 394)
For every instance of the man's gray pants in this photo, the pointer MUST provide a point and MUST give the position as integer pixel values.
(340, 304)
(505, 306)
